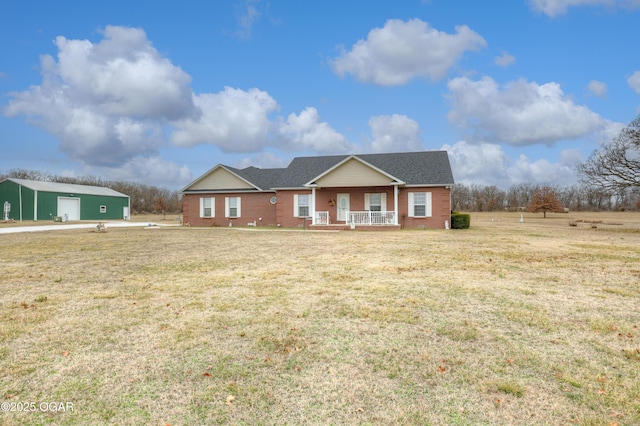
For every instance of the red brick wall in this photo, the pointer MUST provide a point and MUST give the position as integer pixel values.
(440, 208)
(284, 209)
(253, 206)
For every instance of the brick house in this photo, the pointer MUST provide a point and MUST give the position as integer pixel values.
(411, 189)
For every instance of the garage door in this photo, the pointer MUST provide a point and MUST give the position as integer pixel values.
(69, 207)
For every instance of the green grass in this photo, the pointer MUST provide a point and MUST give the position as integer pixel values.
(504, 323)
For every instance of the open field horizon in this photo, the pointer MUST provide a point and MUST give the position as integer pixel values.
(504, 323)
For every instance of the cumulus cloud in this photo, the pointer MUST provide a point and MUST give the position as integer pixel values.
(306, 131)
(394, 133)
(488, 164)
(147, 169)
(634, 82)
(519, 113)
(402, 51)
(114, 103)
(264, 160)
(107, 101)
(504, 60)
(598, 88)
(234, 120)
(554, 8)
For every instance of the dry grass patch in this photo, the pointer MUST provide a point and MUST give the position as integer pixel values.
(504, 323)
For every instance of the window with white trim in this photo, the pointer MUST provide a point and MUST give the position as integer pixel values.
(375, 202)
(232, 206)
(301, 204)
(207, 207)
(419, 204)
(103, 209)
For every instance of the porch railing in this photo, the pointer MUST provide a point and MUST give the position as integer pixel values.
(371, 218)
(322, 218)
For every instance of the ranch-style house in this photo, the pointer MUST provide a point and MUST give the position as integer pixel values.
(364, 191)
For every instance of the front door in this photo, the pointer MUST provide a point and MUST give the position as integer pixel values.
(343, 207)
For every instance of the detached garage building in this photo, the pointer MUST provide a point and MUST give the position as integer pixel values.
(35, 200)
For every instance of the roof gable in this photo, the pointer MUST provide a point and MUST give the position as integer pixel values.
(353, 171)
(220, 178)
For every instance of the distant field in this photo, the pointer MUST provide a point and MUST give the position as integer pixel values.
(509, 322)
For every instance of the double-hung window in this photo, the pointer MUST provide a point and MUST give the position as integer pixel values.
(375, 202)
(301, 204)
(207, 207)
(420, 204)
(232, 206)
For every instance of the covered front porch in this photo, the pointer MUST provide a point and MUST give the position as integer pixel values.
(354, 207)
(354, 194)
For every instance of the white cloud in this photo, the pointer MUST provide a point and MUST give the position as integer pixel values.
(265, 160)
(107, 101)
(394, 133)
(483, 163)
(519, 113)
(554, 8)
(234, 120)
(542, 171)
(634, 82)
(147, 169)
(306, 131)
(598, 88)
(402, 51)
(504, 60)
(488, 164)
(248, 16)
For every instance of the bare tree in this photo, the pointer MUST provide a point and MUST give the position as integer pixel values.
(615, 166)
(544, 200)
(461, 198)
(519, 195)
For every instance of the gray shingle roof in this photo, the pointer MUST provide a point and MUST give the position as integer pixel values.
(412, 168)
(264, 179)
(302, 169)
(67, 188)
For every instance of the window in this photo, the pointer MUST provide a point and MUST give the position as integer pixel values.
(207, 207)
(419, 204)
(375, 202)
(232, 207)
(103, 209)
(301, 205)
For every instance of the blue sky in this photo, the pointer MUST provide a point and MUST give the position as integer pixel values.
(160, 92)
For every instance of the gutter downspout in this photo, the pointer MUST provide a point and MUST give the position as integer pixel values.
(35, 205)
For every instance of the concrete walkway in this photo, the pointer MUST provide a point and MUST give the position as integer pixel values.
(60, 227)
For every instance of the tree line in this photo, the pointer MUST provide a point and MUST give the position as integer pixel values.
(144, 198)
(579, 197)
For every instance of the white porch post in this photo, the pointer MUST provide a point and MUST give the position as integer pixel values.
(313, 205)
(395, 204)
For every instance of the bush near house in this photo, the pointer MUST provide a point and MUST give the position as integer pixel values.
(460, 221)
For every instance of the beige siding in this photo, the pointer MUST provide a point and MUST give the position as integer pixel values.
(220, 179)
(353, 173)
